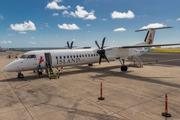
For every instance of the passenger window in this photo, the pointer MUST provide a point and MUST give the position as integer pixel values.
(77, 56)
(74, 56)
(56, 57)
(67, 56)
(94, 55)
(82, 55)
(85, 55)
(31, 56)
(71, 56)
(91, 55)
(88, 55)
(60, 57)
(64, 57)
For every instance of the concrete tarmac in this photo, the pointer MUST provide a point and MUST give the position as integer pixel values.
(138, 94)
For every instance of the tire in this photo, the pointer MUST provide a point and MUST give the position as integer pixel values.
(21, 76)
(124, 68)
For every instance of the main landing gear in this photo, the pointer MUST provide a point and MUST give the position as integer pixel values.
(20, 75)
(123, 67)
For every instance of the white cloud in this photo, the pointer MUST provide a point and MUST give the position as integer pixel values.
(21, 32)
(119, 29)
(170, 20)
(178, 19)
(1, 17)
(121, 15)
(89, 31)
(57, 1)
(44, 42)
(32, 37)
(90, 16)
(88, 24)
(104, 19)
(73, 40)
(32, 42)
(6, 42)
(54, 5)
(55, 14)
(80, 13)
(68, 26)
(154, 25)
(113, 41)
(66, 13)
(46, 24)
(11, 34)
(23, 27)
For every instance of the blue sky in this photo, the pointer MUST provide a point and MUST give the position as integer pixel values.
(51, 23)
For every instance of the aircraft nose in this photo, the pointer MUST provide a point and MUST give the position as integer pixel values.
(11, 67)
(7, 68)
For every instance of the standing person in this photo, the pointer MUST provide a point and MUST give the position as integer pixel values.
(40, 71)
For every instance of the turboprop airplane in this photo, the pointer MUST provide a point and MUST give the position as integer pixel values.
(68, 57)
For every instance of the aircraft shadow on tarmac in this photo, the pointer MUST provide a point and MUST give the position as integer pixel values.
(105, 71)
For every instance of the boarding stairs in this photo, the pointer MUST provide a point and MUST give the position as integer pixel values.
(136, 61)
(50, 73)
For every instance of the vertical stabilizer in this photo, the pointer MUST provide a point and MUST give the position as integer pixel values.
(150, 37)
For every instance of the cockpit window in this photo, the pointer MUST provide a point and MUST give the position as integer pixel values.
(24, 56)
(31, 56)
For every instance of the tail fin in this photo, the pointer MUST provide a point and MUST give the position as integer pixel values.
(150, 37)
(150, 34)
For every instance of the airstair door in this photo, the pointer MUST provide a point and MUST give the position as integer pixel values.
(48, 59)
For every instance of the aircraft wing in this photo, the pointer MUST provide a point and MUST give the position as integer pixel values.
(153, 45)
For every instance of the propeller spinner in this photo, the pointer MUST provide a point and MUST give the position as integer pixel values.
(101, 51)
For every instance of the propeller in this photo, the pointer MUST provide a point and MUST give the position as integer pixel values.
(101, 51)
(70, 47)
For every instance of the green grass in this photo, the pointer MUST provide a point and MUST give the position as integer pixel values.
(165, 50)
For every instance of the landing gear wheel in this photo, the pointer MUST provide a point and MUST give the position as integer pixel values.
(20, 75)
(124, 68)
(90, 64)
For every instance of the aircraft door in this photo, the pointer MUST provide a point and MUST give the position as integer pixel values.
(48, 59)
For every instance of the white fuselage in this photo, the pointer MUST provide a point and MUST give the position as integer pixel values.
(68, 57)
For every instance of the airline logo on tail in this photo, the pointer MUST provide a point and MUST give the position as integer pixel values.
(150, 37)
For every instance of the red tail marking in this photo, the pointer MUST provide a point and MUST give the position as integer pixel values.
(41, 60)
(150, 39)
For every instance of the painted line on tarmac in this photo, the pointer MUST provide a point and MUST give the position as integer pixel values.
(138, 99)
(162, 61)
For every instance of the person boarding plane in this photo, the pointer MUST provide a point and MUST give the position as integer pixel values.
(68, 57)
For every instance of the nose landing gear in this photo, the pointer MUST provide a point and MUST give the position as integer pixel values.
(20, 75)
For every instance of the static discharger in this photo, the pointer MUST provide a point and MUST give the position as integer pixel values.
(166, 114)
(101, 98)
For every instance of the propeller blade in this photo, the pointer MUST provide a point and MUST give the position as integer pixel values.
(68, 44)
(71, 44)
(100, 59)
(103, 42)
(105, 58)
(97, 44)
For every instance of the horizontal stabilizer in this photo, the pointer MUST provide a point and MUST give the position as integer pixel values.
(155, 45)
(149, 29)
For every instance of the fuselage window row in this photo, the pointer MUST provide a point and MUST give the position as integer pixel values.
(77, 56)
